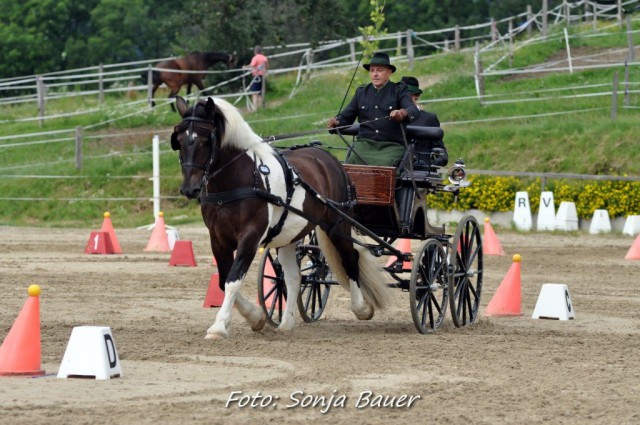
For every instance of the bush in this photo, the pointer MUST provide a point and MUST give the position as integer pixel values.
(497, 194)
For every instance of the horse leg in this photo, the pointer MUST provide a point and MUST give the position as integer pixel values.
(343, 259)
(291, 269)
(233, 283)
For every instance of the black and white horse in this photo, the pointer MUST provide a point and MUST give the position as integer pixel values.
(253, 196)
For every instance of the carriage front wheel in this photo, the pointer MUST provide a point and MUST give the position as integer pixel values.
(272, 292)
(465, 272)
(315, 283)
(428, 286)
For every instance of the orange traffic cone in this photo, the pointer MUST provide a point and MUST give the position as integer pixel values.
(215, 295)
(490, 243)
(507, 299)
(182, 254)
(108, 227)
(159, 241)
(20, 353)
(634, 251)
(403, 245)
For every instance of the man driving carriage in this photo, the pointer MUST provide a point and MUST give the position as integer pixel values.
(381, 107)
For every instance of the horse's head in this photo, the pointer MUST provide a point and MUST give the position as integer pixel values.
(198, 139)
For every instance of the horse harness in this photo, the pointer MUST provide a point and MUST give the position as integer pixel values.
(292, 180)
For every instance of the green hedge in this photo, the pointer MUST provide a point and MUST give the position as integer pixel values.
(495, 194)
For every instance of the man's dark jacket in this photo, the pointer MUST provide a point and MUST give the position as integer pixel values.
(427, 119)
(368, 104)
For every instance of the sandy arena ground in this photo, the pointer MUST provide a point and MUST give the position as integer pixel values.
(501, 370)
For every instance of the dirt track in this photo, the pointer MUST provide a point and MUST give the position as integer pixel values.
(501, 370)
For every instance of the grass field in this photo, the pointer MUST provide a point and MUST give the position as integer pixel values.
(545, 122)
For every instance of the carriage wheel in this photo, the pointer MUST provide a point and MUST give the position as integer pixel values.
(272, 292)
(428, 287)
(465, 274)
(314, 283)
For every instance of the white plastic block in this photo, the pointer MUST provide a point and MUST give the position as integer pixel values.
(600, 222)
(91, 352)
(522, 212)
(546, 212)
(631, 225)
(172, 237)
(554, 302)
(567, 217)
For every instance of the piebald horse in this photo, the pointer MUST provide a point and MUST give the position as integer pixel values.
(252, 196)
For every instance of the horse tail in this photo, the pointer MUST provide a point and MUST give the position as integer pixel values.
(371, 278)
(373, 283)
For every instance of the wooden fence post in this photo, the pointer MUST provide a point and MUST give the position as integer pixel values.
(626, 84)
(545, 17)
(595, 15)
(410, 53)
(620, 14)
(566, 40)
(567, 14)
(399, 43)
(614, 97)
(41, 92)
(150, 86)
(457, 38)
(78, 148)
(309, 61)
(479, 76)
(632, 53)
(100, 84)
(352, 51)
(530, 21)
(494, 31)
(510, 43)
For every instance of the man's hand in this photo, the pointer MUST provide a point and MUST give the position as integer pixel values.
(398, 115)
(333, 122)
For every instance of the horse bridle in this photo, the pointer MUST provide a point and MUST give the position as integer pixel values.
(191, 122)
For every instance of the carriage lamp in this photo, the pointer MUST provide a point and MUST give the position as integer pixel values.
(457, 172)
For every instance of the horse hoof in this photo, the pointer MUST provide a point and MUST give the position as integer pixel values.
(364, 315)
(215, 336)
(259, 324)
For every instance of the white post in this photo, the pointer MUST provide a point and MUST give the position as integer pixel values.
(156, 175)
(566, 38)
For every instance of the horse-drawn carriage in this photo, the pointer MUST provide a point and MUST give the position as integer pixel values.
(391, 204)
(322, 223)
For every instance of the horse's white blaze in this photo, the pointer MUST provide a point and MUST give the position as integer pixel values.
(220, 327)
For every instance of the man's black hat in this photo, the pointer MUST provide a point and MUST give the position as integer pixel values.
(380, 58)
(412, 85)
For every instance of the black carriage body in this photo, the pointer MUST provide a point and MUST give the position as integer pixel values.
(392, 204)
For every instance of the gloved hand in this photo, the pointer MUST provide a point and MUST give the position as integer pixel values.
(398, 115)
(333, 122)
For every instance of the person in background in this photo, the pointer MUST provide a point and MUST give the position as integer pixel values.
(424, 148)
(259, 66)
(381, 107)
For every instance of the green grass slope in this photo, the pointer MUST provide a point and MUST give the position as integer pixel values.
(523, 125)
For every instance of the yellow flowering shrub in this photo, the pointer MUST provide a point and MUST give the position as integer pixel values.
(497, 194)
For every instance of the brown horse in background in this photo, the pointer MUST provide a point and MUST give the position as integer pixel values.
(194, 61)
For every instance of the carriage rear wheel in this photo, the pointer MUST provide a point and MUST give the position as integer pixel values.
(428, 287)
(465, 272)
(272, 292)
